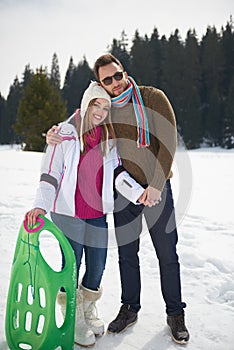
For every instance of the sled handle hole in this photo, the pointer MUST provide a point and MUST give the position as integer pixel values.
(42, 297)
(40, 325)
(28, 321)
(34, 228)
(30, 295)
(19, 292)
(59, 316)
(16, 319)
(50, 250)
(25, 346)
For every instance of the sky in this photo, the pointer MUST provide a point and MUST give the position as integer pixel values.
(31, 31)
(205, 248)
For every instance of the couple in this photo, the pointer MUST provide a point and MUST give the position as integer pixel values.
(78, 174)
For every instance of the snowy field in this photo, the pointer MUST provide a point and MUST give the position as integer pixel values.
(204, 196)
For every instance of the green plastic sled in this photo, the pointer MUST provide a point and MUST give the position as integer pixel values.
(34, 285)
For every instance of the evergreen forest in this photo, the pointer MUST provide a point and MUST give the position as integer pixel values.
(197, 75)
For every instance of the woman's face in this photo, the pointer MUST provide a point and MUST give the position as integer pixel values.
(99, 111)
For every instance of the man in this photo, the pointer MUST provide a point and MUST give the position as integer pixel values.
(145, 128)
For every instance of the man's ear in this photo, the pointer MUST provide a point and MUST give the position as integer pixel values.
(126, 75)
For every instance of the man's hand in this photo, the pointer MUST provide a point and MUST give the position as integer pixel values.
(150, 197)
(31, 215)
(52, 136)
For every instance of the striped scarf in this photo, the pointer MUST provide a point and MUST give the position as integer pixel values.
(133, 92)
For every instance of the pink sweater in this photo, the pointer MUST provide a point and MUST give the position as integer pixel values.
(88, 199)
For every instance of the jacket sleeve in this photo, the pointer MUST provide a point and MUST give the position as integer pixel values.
(52, 169)
(50, 177)
(124, 183)
(166, 134)
(127, 186)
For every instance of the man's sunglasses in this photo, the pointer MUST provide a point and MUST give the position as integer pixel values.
(117, 76)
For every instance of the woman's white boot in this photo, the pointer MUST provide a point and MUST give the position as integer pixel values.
(84, 336)
(90, 310)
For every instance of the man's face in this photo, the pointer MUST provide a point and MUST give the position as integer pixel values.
(116, 87)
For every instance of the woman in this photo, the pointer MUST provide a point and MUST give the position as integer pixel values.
(76, 185)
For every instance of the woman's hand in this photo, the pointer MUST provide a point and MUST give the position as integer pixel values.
(32, 215)
(150, 197)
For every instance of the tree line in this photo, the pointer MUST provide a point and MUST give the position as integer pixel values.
(196, 75)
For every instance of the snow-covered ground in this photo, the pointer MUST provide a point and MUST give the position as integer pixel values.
(204, 195)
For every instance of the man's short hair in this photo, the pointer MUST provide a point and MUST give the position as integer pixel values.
(104, 60)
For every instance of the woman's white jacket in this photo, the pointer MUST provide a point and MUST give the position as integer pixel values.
(56, 191)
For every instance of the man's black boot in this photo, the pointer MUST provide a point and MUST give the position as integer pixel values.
(124, 319)
(178, 329)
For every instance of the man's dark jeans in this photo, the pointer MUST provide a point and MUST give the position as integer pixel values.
(161, 224)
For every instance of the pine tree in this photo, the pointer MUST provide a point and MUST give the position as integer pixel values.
(227, 88)
(119, 48)
(54, 73)
(2, 119)
(173, 65)
(67, 86)
(228, 124)
(227, 47)
(172, 77)
(28, 72)
(190, 103)
(40, 107)
(140, 51)
(212, 63)
(155, 58)
(76, 81)
(12, 104)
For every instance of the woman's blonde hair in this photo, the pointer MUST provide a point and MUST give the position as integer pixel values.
(88, 130)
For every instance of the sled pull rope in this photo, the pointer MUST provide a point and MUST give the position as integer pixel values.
(32, 280)
(29, 230)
